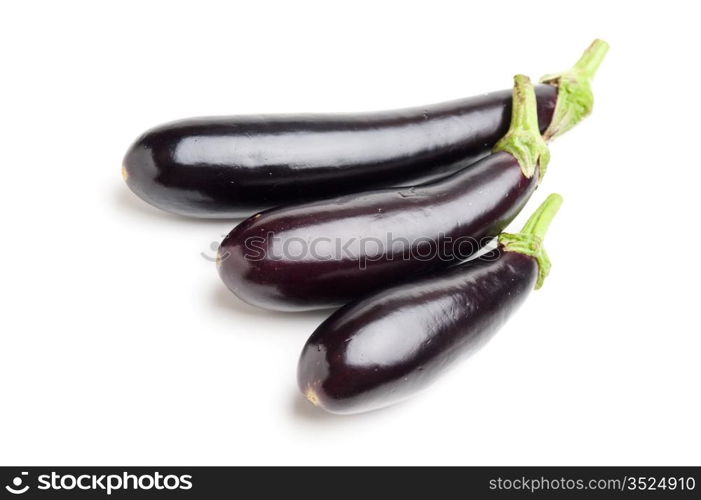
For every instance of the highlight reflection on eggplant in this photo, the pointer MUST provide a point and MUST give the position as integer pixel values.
(388, 346)
(231, 167)
(325, 253)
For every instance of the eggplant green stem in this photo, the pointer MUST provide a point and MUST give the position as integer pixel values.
(530, 240)
(575, 98)
(523, 140)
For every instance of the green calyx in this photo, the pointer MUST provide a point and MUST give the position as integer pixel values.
(523, 140)
(575, 98)
(530, 240)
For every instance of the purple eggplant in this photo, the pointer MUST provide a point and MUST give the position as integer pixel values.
(326, 253)
(387, 346)
(231, 167)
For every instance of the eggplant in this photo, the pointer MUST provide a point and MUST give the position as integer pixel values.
(386, 347)
(231, 167)
(325, 253)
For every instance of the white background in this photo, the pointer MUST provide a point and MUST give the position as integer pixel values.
(119, 344)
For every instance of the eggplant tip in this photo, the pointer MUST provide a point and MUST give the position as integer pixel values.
(125, 173)
(312, 396)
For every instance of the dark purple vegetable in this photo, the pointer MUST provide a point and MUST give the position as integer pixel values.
(233, 166)
(387, 346)
(325, 253)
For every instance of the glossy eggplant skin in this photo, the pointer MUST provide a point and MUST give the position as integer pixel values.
(325, 253)
(387, 346)
(232, 167)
